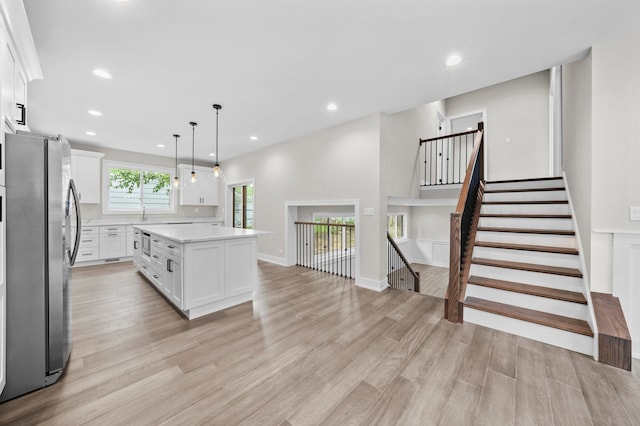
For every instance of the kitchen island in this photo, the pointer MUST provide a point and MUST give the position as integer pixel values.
(199, 268)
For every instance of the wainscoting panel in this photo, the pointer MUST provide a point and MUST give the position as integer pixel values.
(626, 282)
(435, 253)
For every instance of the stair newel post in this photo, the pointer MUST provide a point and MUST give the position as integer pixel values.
(452, 313)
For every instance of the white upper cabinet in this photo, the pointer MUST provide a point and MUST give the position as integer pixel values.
(202, 192)
(85, 172)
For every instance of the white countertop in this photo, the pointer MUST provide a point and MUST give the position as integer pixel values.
(198, 232)
(150, 221)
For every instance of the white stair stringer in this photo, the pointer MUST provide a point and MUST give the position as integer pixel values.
(542, 333)
(526, 196)
(526, 256)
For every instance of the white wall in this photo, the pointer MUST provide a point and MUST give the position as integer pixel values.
(518, 110)
(615, 151)
(339, 163)
(94, 211)
(577, 146)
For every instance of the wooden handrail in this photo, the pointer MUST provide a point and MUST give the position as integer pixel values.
(326, 224)
(464, 192)
(414, 274)
(454, 135)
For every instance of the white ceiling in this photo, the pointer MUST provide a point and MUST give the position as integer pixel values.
(275, 65)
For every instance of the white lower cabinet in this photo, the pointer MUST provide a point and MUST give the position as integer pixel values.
(238, 278)
(89, 248)
(113, 242)
(204, 271)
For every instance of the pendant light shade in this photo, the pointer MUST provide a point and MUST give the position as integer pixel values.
(176, 180)
(216, 167)
(193, 125)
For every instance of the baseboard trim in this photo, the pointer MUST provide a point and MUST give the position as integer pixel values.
(273, 259)
(370, 284)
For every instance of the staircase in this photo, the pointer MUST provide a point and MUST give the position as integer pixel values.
(525, 275)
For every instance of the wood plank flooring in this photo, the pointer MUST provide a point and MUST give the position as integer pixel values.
(311, 349)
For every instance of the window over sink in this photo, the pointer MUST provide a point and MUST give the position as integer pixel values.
(130, 188)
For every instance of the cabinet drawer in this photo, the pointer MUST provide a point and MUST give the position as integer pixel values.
(113, 229)
(85, 255)
(87, 241)
(90, 230)
(173, 248)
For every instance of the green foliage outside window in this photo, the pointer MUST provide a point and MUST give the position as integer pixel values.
(129, 180)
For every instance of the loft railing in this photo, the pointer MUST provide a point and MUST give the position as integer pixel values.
(445, 158)
(400, 274)
(462, 228)
(327, 247)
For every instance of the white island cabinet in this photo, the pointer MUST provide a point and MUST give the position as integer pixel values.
(199, 268)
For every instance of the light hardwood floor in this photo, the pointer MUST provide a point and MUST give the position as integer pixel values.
(433, 279)
(311, 349)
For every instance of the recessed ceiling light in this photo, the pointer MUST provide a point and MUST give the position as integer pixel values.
(332, 107)
(469, 128)
(160, 145)
(453, 60)
(90, 133)
(253, 138)
(211, 154)
(102, 73)
(94, 112)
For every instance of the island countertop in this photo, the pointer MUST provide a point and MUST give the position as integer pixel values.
(198, 232)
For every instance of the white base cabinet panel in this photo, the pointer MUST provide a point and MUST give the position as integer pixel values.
(204, 271)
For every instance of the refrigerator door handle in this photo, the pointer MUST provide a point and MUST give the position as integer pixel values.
(72, 191)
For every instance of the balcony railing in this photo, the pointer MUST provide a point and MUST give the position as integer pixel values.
(445, 158)
(400, 274)
(327, 247)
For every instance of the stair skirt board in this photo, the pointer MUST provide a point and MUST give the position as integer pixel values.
(525, 196)
(537, 257)
(525, 223)
(541, 333)
(525, 208)
(527, 277)
(548, 183)
(538, 303)
(551, 240)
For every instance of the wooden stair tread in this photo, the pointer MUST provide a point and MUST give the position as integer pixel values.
(527, 230)
(532, 267)
(527, 215)
(525, 180)
(533, 290)
(525, 202)
(498, 191)
(527, 247)
(572, 325)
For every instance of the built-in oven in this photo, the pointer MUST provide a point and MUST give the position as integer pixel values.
(146, 244)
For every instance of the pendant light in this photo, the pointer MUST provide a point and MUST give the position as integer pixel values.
(193, 144)
(216, 167)
(176, 180)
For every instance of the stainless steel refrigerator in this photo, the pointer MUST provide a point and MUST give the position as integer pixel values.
(41, 204)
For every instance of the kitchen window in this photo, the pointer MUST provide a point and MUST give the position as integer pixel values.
(134, 188)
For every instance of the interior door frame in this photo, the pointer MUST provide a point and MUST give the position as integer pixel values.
(483, 113)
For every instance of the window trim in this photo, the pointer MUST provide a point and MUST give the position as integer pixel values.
(107, 165)
(405, 224)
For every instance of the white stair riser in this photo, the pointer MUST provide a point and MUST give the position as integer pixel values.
(526, 256)
(541, 333)
(526, 223)
(525, 209)
(551, 240)
(528, 277)
(526, 196)
(551, 183)
(543, 304)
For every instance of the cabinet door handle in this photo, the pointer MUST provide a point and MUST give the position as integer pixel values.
(86, 241)
(135, 245)
(155, 241)
(170, 265)
(155, 256)
(170, 247)
(112, 229)
(155, 276)
(113, 235)
(23, 114)
(144, 267)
